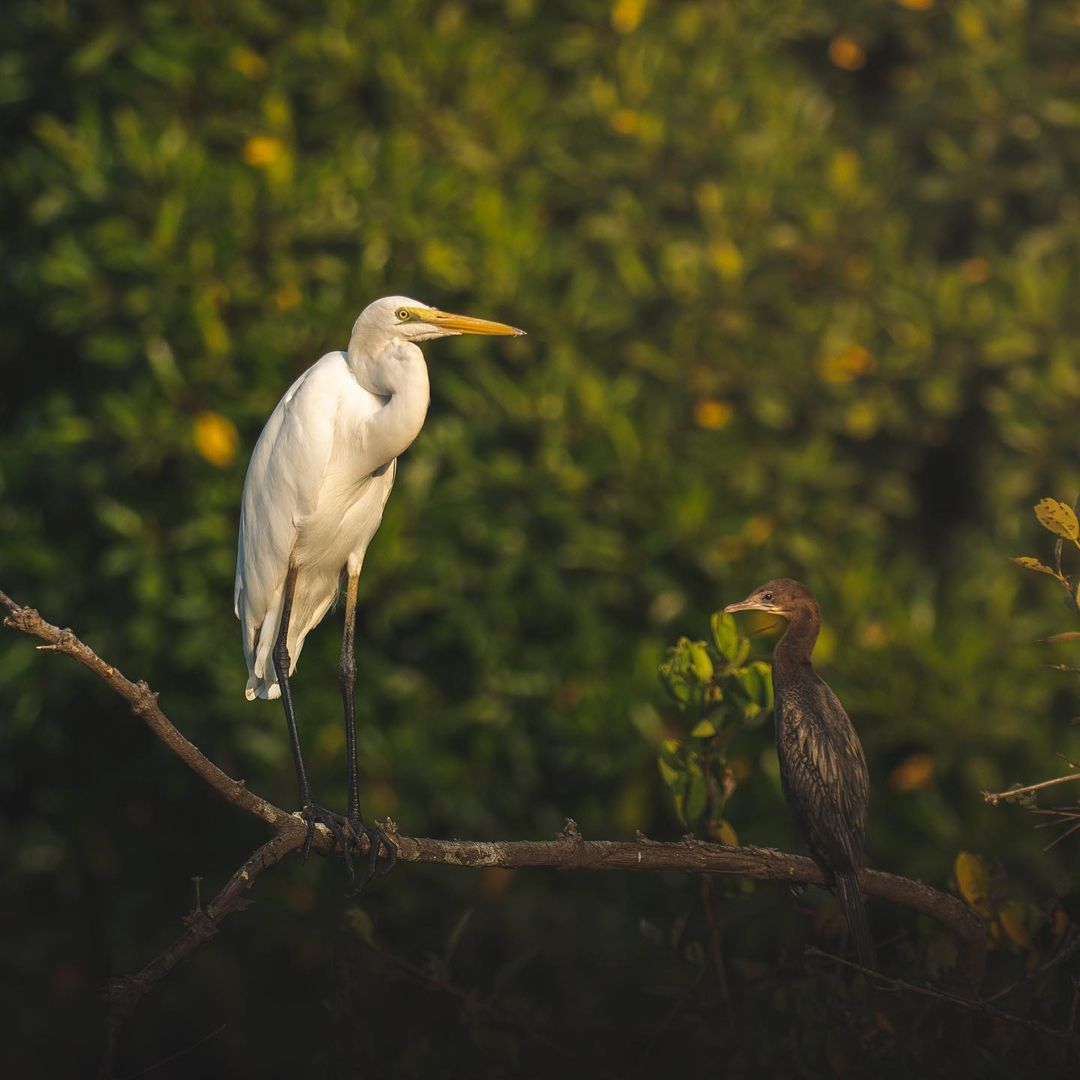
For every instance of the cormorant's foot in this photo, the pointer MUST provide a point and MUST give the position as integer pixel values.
(336, 824)
(379, 844)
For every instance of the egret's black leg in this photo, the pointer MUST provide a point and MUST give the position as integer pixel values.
(312, 812)
(377, 839)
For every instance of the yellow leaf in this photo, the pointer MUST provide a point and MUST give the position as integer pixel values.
(1059, 923)
(846, 53)
(847, 364)
(703, 729)
(1028, 563)
(247, 62)
(1013, 918)
(913, 773)
(287, 297)
(844, 170)
(626, 15)
(973, 880)
(727, 259)
(723, 833)
(216, 438)
(1058, 518)
(975, 270)
(759, 528)
(712, 414)
(262, 151)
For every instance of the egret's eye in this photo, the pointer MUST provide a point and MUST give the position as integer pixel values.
(767, 597)
(403, 314)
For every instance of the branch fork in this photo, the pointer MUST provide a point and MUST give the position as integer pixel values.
(568, 851)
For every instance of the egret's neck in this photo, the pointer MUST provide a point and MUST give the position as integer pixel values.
(394, 370)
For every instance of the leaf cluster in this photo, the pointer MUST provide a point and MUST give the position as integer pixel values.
(717, 693)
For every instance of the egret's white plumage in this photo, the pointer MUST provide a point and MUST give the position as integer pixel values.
(322, 471)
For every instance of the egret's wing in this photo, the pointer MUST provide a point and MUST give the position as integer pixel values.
(281, 488)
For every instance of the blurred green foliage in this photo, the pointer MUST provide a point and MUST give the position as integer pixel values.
(799, 280)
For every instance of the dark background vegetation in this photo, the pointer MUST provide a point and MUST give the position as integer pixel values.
(800, 283)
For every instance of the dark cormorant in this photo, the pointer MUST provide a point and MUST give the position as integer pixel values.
(822, 766)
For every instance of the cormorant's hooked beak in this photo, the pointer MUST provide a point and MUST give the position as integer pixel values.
(464, 324)
(750, 604)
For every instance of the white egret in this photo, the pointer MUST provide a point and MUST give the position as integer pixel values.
(314, 495)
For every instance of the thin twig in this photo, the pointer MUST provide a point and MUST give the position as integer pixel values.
(179, 1054)
(487, 1005)
(993, 798)
(1062, 954)
(967, 1004)
(716, 944)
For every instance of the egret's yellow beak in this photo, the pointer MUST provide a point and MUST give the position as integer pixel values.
(464, 324)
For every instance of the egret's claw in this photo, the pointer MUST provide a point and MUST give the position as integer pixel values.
(336, 824)
(378, 843)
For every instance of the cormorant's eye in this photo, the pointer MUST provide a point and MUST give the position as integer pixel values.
(767, 597)
(403, 314)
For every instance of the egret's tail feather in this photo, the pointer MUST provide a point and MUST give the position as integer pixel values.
(258, 687)
(851, 900)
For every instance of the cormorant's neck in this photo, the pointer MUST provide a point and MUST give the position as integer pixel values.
(791, 657)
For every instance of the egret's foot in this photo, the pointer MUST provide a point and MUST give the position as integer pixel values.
(336, 824)
(379, 844)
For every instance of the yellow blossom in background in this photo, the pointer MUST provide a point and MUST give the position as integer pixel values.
(846, 53)
(862, 419)
(975, 270)
(844, 171)
(847, 364)
(625, 121)
(287, 297)
(216, 438)
(263, 151)
(626, 15)
(727, 259)
(759, 528)
(248, 62)
(713, 414)
(857, 267)
(914, 773)
(917, 5)
(874, 634)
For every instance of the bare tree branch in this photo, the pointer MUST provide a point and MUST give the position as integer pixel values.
(569, 851)
(123, 994)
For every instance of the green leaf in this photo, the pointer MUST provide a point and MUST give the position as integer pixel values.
(668, 773)
(1058, 518)
(726, 636)
(704, 729)
(695, 798)
(756, 682)
(700, 662)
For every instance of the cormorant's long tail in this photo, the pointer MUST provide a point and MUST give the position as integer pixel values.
(847, 889)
